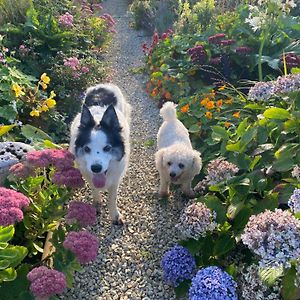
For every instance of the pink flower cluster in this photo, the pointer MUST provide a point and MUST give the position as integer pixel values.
(197, 54)
(88, 8)
(83, 244)
(82, 213)
(46, 282)
(110, 22)
(66, 20)
(216, 39)
(291, 59)
(243, 50)
(21, 170)
(71, 178)
(11, 205)
(23, 50)
(74, 64)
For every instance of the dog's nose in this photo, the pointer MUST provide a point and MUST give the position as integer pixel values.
(96, 168)
(173, 174)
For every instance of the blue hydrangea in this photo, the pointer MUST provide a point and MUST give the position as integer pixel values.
(178, 265)
(294, 201)
(212, 283)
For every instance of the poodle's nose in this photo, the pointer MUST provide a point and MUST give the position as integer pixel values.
(173, 174)
(96, 168)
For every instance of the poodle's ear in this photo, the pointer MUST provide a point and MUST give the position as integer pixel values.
(159, 156)
(197, 163)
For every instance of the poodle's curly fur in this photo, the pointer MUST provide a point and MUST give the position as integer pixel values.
(176, 160)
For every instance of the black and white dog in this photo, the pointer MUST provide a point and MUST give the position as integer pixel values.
(100, 142)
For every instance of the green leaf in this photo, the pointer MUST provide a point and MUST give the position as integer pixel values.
(234, 147)
(194, 128)
(216, 205)
(6, 128)
(182, 289)
(241, 219)
(220, 132)
(9, 274)
(270, 275)
(223, 244)
(4, 263)
(33, 133)
(6, 233)
(277, 113)
(8, 112)
(149, 143)
(242, 127)
(247, 137)
(283, 165)
(234, 209)
(254, 162)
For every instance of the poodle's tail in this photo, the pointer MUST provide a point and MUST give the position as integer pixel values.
(168, 111)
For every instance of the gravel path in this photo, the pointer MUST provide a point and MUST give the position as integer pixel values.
(128, 264)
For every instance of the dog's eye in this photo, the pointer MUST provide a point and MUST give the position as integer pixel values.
(87, 149)
(107, 148)
(181, 166)
(169, 163)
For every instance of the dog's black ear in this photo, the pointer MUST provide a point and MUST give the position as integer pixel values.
(110, 119)
(86, 119)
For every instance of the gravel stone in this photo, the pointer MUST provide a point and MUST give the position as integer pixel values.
(128, 264)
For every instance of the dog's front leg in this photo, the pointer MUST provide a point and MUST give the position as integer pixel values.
(187, 189)
(96, 199)
(164, 187)
(112, 206)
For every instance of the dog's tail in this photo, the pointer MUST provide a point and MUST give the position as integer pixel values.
(168, 111)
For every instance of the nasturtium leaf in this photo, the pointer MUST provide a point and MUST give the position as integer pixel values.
(277, 113)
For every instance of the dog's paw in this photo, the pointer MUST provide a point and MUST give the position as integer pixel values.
(118, 220)
(164, 194)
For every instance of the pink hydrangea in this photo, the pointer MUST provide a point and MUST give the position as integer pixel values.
(83, 244)
(46, 282)
(83, 213)
(66, 20)
(21, 170)
(69, 177)
(11, 205)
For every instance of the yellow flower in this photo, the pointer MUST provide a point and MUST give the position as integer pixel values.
(210, 105)
(45, 78)
(204, 101)
(219, 102)
(237, 114)
(17, 89)
(208, 115)
(227, 124)
(221, 88)
(44, 108)
(44, 85)
(185, 108)
(218, 109)
(229, 101)
(50, 102)
(35, 113)
(212, 94)
(52, 95)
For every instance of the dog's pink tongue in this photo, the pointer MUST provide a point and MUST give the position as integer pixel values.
(99, 180)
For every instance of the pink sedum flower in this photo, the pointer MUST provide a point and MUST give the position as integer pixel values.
(72, 62)
(46, 282)
(21, 170)
(38, 158)
(85, 70)
(11, 205)
(69, 177)
(83, 244)
(66, 20)
(83, 213)
(61, 158)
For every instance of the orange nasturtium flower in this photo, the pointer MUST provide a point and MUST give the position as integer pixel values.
(168, 95)
(204, 101)
(237, 114)
(221, 88)
(227, 124)
(17, 89)
(154, 92)
(208, 115)
(220, 102)
(45, 78)
(159, 83)
(185, 109)
(210, 105)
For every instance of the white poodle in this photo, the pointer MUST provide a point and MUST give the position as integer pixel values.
(176, 160)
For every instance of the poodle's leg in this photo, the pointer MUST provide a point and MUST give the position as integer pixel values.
(187, 189)
(164, 187)
(112, 205)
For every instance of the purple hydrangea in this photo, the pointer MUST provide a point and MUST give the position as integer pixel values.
(212, 283)
(274, 236)
(71, 178)
(46, 282)
(11, 205)
(83, 213)
(294, 201)
(287, 84)
(262, 91)
(196, 220)
(83, 244)
(178, 264)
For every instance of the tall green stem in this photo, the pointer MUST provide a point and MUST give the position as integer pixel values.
(261, 47)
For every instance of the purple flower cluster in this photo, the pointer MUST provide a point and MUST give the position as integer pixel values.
(178, 264)
(196, 220)
(11, 205)
(219, 170)
(212, 283)
(291, 59)
(215, 60)
(296, 172)
(261, 91)
(287, 84)
(216, 39)
(243, 50)
(70, 177)
(83, 244)
(274, 237)
(46, 282)
(294, 201)
(66, 20)
(23, 50)
(84, 214)
(227, 42)
(197, 54)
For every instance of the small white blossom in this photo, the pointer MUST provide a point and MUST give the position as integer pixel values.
(296, 172)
